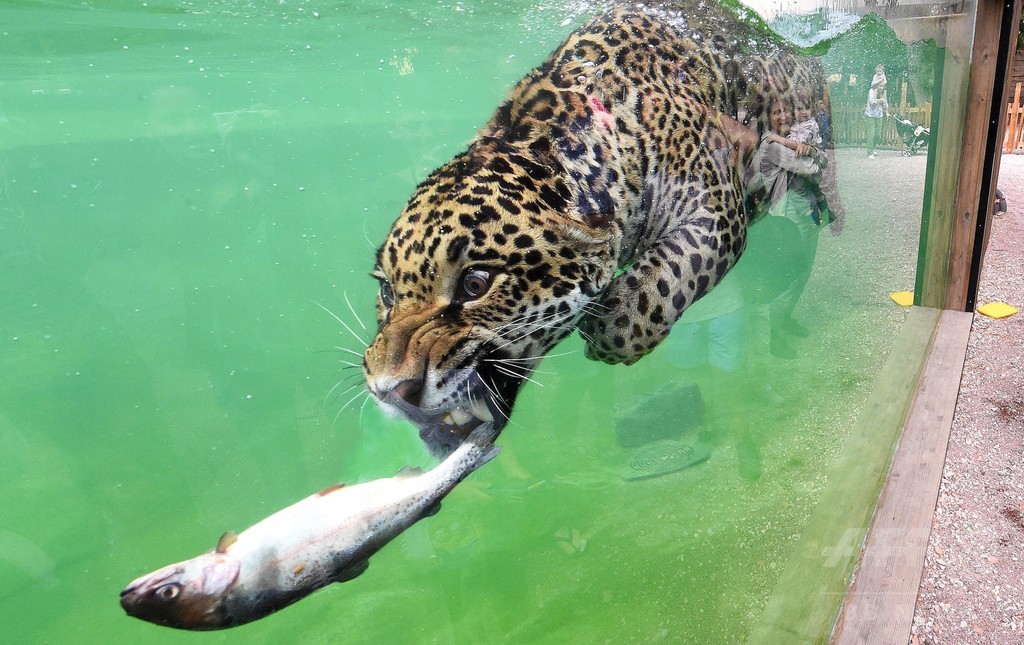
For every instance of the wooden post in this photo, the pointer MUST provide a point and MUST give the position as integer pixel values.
(1013, 127)
(991, 61)
(947, 126)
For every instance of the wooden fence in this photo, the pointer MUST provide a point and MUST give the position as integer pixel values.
(849, 125)
(1013, 141)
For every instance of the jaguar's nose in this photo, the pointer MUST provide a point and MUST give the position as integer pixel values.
(409, 390)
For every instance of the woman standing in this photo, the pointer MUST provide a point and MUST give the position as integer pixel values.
(877, 109)
(780, 177)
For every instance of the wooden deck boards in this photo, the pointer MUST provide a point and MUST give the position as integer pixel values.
(879, 607)
(803, 605)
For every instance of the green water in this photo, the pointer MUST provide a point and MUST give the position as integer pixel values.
(182, 183)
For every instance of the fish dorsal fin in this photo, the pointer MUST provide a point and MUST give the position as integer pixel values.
(330, 489)
(409, 471)
(433, 510)
(226, 541)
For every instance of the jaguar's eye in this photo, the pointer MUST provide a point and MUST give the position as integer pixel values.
(387, 294)
(475, 283)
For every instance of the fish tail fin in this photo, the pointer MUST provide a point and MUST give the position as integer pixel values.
(487, 454)
(482, 442)
(484, 434)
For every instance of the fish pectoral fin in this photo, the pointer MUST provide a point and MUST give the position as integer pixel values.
(226, 541)
(352, 571)
(409, 471)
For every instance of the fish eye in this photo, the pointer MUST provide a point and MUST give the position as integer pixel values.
(168, 592)
(475, 283)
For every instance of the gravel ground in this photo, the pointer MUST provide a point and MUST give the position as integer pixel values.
(972, 589)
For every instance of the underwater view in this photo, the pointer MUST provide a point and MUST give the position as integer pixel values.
(191, 200)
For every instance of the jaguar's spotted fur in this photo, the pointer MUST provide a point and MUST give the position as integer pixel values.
(596, 198)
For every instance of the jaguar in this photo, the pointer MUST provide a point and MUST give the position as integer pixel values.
(599, 198)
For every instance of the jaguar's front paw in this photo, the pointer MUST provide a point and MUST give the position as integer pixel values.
(606, 342)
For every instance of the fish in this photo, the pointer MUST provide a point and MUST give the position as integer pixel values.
(325, 538)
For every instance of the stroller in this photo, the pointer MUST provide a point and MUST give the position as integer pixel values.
(914, 136)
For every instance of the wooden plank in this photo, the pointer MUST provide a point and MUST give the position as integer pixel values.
(944, 163)
(1019, 143)
(880, 605)
(1016, 6)
(1018, 139)
(974, 185)
(1019, 146)
(989, 191)
(1013, 111)
(807, 596)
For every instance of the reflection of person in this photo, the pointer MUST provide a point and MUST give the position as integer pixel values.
(726, 334)
(769, 162)
(790, 179)
(879, 77)
(781, 176)
(775, 163)
(806, 130)
(877, 109)
(824, 120)
(730, 334)
(805, 127)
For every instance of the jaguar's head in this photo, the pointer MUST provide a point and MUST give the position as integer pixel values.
(484, 271)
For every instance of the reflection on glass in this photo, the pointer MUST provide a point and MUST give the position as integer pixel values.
(180, 188)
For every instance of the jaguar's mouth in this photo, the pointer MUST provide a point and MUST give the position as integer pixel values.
(444, 429)
(445, 432)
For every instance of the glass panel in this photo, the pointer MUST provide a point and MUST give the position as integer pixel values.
(192, 197)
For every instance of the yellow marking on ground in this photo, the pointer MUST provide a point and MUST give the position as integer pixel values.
(997, 310)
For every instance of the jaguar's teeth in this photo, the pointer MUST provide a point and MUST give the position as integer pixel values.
(480, 411)
(456, 417)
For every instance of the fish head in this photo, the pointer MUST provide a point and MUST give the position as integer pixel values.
(186, 595)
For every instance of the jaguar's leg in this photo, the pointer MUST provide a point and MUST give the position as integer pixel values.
(639, 307)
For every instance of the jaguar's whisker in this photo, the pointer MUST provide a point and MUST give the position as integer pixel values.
(539, 323)
(362, 408)
(330, 392)
(503, 361)
(545, 356)
(594, 304)
(343, 324)
(353, 310)
(341, 393)
(526, 319)
(545, 325)
(495, 397)
(586, 336)
(364, 392)
(508, 372)
(350, 351)
(366, 236)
